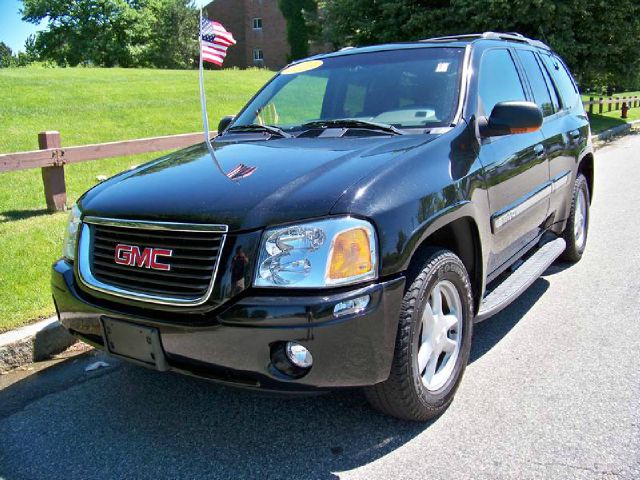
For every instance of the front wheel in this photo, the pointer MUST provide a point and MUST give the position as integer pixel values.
(433, 342)
(575, 233)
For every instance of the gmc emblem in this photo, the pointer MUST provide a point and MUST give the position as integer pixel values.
(131, 256)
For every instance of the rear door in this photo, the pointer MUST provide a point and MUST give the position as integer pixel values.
(571, 126)
(515, 166)
(556, 139)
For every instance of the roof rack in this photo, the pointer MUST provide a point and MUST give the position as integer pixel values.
(508, 36)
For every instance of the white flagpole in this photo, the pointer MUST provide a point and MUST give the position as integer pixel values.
(203, 104)
(203, 98)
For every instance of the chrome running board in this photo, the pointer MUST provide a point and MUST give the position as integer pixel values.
(514, 285)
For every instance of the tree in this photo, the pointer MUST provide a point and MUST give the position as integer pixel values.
(599, 52)
(294, 12)
(108, 33)
(102, 32)
(6, 55)
(175, 33)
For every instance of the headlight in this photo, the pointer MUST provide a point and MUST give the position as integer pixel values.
(71, 234)
(335, 251)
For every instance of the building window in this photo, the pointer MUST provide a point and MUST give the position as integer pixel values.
(257, 55)
(257, 24)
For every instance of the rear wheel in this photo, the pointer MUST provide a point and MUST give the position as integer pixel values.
(575, 233)
(432, 344)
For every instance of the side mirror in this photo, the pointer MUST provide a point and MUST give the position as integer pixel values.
(511, 117)
(224, 123)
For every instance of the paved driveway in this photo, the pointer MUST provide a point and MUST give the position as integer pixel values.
(552, 391)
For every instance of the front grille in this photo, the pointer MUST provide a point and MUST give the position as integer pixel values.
(193, 262)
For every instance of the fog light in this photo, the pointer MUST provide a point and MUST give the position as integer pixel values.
(355, 305)
(298, 355)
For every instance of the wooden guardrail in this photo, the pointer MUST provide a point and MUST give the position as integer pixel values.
(52, 156)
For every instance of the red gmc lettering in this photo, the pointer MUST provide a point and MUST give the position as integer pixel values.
(131, 256)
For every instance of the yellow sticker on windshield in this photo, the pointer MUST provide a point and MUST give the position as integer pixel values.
(302, 67)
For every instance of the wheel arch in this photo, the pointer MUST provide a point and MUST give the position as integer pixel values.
(462, 237)
(586, 167)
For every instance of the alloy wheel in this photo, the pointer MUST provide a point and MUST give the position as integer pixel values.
(441, 334)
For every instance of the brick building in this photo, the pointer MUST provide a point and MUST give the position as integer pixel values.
(259, 28)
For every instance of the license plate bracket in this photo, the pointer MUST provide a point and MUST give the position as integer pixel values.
(134, 342)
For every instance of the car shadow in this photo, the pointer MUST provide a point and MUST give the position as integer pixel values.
(488, 333)
(129, 422)
(557, 267)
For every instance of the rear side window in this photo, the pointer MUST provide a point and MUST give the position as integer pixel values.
(499, 80)
(562, 79)
(536, 80)
(551, 86)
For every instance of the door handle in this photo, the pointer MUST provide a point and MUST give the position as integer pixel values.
(539, 149)
(575, 134)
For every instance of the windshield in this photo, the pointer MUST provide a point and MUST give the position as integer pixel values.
(404, 88)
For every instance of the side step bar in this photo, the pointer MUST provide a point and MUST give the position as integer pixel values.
(514, 285)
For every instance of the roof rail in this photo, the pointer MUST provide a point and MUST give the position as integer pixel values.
(508, 36)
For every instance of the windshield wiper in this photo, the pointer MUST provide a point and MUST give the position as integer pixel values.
(354, 123)
(254, 127)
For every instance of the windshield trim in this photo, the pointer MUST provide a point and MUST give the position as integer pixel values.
(465, 80)
(463, 87)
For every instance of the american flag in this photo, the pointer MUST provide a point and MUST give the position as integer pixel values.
(215, 41)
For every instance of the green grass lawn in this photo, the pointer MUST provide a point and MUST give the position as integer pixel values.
(86, 106)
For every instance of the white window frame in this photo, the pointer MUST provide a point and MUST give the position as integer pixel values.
(257, 23)
(258, 55)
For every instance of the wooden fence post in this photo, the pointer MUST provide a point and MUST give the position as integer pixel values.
(590, 105)
(55, 191)
(600, 105)
(609, 104)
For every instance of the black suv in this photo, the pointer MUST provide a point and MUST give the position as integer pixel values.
(347, 228)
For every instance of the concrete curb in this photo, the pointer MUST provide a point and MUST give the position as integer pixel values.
(34, 342)
(615, 131)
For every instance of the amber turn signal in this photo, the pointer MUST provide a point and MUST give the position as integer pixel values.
(524, 130)
(350, 255)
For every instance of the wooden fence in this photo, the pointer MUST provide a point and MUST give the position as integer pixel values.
(52, 156)
(613, 104)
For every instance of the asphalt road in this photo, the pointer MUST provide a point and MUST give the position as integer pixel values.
(552, 391)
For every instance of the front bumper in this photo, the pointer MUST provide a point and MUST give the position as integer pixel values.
(234, 346)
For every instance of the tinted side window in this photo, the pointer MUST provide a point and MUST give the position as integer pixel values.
(551, 86)
(538, 85)
(563, 81)
(499, 80)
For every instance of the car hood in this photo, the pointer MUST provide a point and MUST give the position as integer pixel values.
(284, 180)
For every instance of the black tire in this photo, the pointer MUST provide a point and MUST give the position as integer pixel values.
(576, 246)
(403, 395)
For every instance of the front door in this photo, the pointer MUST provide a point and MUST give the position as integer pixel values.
(515, 166)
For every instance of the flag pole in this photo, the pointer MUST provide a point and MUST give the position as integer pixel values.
(203, 104)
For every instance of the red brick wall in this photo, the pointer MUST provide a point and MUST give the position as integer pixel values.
(231, 14)
(237, 17)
